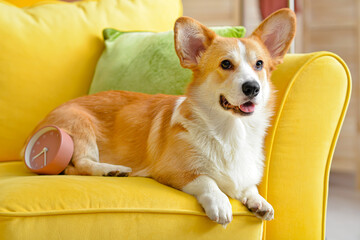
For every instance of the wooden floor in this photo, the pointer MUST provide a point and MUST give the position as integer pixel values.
(343, 213)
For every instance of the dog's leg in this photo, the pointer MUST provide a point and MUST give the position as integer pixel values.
(257, 204)
(215, 203)
(85, 159)
(71, 170)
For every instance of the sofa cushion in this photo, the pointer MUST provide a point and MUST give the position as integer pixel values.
(49, 53)
(145, 62)
(86, 207)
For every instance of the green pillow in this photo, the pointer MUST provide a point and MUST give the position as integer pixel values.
(144, 62)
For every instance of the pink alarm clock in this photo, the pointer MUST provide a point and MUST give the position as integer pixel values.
(49, 150)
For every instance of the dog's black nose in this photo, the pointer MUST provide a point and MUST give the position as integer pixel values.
(251, 88)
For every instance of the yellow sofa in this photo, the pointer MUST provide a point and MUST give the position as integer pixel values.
(48, 56)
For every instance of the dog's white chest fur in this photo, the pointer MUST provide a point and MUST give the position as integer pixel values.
(229, 149)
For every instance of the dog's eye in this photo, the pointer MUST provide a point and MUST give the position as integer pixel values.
(226, 64)
(259, 65)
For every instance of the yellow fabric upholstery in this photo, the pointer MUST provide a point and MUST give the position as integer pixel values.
(49, 53)
(24, 3)
(312, 99)
(80, 207)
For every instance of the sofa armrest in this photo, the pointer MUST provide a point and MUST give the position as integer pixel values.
(313, 92)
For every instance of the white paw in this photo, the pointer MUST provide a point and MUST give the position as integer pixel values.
(217, 207)
(114, 170)
(259, 206)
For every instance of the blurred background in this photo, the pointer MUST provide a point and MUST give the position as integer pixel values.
(322, 25)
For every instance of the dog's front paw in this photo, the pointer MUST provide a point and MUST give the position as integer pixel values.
(260, 207)
(217, 208)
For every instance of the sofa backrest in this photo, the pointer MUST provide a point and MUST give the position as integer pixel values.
(48, 55)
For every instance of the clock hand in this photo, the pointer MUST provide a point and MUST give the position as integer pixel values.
(44, 150)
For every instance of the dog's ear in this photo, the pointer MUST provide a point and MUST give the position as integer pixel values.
(277, 32)
(191, 40)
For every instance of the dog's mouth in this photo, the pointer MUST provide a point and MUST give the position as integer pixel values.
(246, 108)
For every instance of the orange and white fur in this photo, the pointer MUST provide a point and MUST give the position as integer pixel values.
(209, 142)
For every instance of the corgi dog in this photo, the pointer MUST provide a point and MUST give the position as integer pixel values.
(208, 142)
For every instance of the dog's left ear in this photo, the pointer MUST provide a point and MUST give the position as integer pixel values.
(191, 41)
(277, 32)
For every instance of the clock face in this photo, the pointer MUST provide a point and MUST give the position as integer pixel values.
(44, 148)
(49, 150)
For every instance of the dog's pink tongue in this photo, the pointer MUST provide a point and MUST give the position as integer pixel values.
(247, 107)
